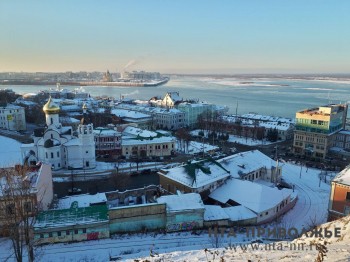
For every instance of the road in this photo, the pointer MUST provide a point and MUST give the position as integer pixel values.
(312, 205)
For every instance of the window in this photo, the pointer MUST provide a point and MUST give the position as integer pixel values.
(51, 120)
(348, 196)
(10, 209)
(58, 154)
(59, 233)
(67, 233)
(27, 206)
(87, 164)
(51, 154)
(266, 213)
(50, 234)
(76, 231)
(41, 235)
(84, 230)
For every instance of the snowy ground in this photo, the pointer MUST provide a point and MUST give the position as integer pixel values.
(248, 141)
(313, 195)
(239, 140)
(196, 148)
(303, 249)
(10, 152)
(311, 207)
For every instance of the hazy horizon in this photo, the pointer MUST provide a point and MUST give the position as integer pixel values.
(177, 37)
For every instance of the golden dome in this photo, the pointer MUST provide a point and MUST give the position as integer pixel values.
(51, 108)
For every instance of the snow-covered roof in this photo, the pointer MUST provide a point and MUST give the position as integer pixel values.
(11, 106)
(256, 197)
(186, 104)
(237, 213)
(100, 131)
(25, 102)
(32, 176)
(149, 109)
(174, 96)
(268, 122)
(182, 202)
(267, 118)
(277, 125)
(73, 142)
(246, 162)
(138, 132)
(10, 152)
(213, 172)
(71, 216)
(65, 119)
(84, 200)
(129, 114)
(345, 132)
(343, 177)
(145, 141)
(213, 213)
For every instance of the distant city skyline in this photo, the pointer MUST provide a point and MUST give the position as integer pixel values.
(185, 37)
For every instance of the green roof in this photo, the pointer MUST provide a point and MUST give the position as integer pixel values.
(72, 216)
(190, 168)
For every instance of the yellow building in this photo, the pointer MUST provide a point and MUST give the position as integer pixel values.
(316, 128)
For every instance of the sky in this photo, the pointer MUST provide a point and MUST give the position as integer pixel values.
(182, 36)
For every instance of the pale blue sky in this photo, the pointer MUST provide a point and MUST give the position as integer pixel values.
(178, 36)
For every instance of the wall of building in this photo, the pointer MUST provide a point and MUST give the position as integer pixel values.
(316, 129)
(338, 202)
(71, 233)
(13, 118)
(244, 222)
(172, 186)
(218, 223)
(152, 149)
(184, 220)
(137, 218)
(277, 211)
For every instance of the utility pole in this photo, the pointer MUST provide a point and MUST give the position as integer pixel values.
(319, 184)
(276, 155)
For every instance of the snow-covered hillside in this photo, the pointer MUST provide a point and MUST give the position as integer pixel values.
(306, 248)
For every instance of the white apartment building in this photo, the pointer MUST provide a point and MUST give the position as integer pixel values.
(137, 142)
(170, 119)
(12, 118)
(192, 111)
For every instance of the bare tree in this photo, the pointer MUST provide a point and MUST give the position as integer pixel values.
(18, 207)
(184, 138)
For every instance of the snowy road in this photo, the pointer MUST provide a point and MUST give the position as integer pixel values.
(311, 207)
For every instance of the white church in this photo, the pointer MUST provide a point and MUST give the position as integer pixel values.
(56, 144)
